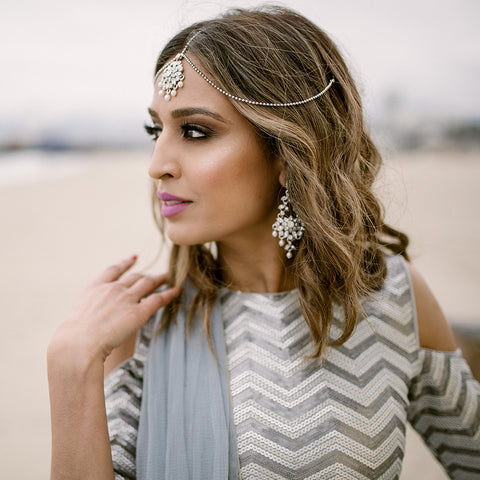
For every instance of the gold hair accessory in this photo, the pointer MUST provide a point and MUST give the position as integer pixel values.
(172, 79)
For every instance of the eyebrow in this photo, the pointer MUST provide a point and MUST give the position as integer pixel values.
(186, 112)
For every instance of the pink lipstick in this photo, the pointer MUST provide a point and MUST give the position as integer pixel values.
(172, 205)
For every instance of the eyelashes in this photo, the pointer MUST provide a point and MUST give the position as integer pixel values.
(189, 131)
(196, 132)
(152, 131)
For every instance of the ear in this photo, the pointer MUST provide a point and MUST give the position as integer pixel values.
(282, 177)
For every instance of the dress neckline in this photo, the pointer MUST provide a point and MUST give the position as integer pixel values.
(225, 292)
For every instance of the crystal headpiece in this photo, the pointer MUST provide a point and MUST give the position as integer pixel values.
(172, 79)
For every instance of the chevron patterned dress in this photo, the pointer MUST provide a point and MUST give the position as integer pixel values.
(341, 418)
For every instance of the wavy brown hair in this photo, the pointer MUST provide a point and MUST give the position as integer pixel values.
(276, 55)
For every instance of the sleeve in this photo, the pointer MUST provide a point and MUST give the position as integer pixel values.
(123, 398)
(445, 410)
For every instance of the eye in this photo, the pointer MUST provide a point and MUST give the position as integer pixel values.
(153, 130)
(195, 132)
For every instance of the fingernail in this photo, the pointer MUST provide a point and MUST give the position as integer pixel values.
(133, 257)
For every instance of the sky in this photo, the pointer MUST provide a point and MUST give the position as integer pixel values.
(67, 64)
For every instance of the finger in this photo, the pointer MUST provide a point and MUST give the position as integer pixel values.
(114, 272)
(155, 301)
(131, 279)
(147, 284)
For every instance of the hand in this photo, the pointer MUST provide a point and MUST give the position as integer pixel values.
(110, 310)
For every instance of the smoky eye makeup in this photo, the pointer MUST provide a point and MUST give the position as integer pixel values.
(152, 130)
(188, 130)
(196, 131)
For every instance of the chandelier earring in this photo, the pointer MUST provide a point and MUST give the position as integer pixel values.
(288, 227)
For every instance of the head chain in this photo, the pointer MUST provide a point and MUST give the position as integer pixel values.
(172, 79)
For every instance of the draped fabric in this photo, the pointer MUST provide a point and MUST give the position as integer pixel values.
(185, 429)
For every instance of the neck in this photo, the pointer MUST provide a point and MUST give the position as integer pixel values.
(258, 268)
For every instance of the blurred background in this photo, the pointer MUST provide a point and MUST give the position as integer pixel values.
(75, 84)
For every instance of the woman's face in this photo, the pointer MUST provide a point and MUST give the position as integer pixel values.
(209, 157)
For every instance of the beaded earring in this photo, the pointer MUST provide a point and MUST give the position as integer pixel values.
(287, 227)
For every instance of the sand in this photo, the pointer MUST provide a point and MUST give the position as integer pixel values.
(63, 223)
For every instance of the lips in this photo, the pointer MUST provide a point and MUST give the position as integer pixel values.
(172, 205)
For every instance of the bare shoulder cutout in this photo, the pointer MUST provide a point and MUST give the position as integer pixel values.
(433, 329)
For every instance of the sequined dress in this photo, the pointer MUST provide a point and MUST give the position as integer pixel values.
(344, 417)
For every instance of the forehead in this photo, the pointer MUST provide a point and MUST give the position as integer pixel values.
(195, 92)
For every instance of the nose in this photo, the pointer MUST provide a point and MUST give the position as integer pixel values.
(164, 162)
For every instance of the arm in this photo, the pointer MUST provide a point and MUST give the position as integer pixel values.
(444, 397)
(433, 329)
(80, 443)
(110, 311)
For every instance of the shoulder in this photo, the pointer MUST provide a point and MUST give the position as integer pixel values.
(433, 330)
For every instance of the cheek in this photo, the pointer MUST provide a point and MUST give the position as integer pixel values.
(234, 175)
(224, 170)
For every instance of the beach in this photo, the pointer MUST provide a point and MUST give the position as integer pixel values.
(65, 217)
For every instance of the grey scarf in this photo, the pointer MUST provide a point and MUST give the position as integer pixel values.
(186, 426)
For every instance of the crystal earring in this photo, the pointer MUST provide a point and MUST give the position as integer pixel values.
(287, 227)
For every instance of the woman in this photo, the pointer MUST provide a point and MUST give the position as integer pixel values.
(294, 351)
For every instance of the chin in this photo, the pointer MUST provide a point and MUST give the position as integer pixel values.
(186, 238)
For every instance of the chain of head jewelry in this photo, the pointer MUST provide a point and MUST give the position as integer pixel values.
(253, 102)
(174, 80)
